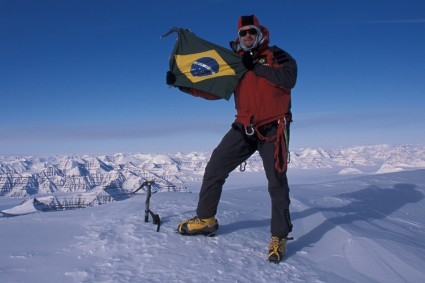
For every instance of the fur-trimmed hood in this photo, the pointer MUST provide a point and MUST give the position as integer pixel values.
(262, 35)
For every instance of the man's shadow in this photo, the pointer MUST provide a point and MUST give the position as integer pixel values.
(364, 206)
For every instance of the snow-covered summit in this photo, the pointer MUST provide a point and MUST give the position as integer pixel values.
(358, 229)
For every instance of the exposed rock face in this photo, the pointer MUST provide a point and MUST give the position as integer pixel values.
(31, 176)
(22, 177)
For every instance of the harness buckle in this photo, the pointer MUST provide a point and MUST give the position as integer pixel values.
(249, 131)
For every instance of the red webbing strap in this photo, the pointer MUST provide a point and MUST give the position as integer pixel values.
(281, 148)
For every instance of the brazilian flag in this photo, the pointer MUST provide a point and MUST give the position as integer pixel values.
(205, 66)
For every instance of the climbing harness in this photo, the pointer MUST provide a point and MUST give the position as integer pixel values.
(281, 139)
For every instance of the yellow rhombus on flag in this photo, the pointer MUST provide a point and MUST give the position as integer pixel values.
(188, 63)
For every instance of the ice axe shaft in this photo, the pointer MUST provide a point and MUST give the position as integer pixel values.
(148, 200)
(155, 217)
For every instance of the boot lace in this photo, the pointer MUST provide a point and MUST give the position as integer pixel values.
(195, 220)
(277, 246)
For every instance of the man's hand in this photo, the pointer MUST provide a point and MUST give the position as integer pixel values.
(248, 61)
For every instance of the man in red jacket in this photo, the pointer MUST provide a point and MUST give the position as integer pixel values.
(263, 105)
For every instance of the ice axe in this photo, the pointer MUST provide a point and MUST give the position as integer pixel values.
(155, 217)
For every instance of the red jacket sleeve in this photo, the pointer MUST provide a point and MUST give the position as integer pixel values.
(199, 93)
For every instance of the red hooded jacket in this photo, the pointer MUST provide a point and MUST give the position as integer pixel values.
(263, 94)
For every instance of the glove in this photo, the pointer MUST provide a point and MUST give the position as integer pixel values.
(248, 61)
(171, 78)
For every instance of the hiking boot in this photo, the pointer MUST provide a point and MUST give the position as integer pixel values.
(198, 226)
(277, 249)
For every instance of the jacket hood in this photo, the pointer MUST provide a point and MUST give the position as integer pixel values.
(263, 41)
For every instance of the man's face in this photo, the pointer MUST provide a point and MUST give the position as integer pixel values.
(248, 35)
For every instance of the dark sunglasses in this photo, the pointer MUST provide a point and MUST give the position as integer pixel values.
(251, 31)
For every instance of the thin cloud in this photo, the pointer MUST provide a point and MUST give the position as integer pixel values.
(408, 21)
(382, 22)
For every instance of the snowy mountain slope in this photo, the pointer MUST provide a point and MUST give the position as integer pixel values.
(32, 175)
(364, 229)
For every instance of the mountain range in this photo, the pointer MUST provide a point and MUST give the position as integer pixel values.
(26, 176)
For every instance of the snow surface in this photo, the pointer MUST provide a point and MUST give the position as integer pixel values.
(363, 229)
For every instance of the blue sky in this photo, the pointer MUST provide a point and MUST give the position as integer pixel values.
(89, 76)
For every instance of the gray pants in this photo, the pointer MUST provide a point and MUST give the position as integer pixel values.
(234, 149)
